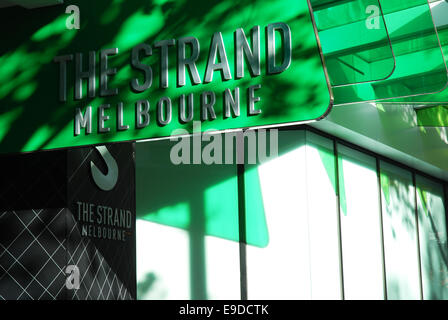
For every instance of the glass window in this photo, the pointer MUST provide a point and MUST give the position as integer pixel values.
(299, 244)
(279, 269)
(433, 238)
(360, 225)
(323, 218)
(162, 262)
(400, 233)
(300, 257)
(187, 232)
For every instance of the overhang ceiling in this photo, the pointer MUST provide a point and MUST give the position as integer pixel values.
(392, 131)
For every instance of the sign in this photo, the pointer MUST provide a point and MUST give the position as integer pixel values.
(101, 202)
(142, 69)
(67, 228)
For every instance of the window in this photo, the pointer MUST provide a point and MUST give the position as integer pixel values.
(317, 226)
(360, 225)
(400, 233)
(301, 257)
(187, 229)
(433, 238)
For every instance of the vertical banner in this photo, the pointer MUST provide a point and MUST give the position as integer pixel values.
(67, 224)
(101, 227)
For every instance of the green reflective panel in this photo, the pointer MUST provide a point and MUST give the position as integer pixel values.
(420, 65)
(439, 11)
(256, 226)
(281, 90)
(354, 41)
(400, 233)
(433, 238)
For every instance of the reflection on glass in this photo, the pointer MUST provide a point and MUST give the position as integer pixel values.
(439, 10)
(323, 218)
(164, 265)
(420, 65)
(187, 232)
(433, 239)
(400, 233)
(360, 225)
(354, 41)
(301, 258)
(187, 238)
(281, 269)
(162, 262)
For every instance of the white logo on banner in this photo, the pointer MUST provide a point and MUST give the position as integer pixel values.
(106, 181)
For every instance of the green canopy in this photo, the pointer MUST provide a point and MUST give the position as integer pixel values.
(353, 35)
(420, 65)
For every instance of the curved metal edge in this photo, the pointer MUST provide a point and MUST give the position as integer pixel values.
(324, 66)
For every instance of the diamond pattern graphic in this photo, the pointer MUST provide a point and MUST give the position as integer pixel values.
(27, 259)
(35, 248)
(37, 245)
(98, 280)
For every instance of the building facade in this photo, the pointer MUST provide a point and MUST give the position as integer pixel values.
(349, 203)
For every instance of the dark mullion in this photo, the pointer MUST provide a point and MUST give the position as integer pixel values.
(242, 216)
(338, 208)
(378, 173)
(418, 235)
